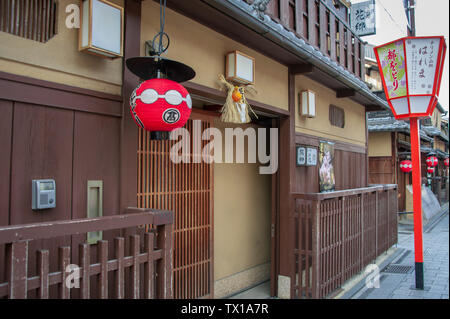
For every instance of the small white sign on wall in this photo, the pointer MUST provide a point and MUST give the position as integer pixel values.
(301, 156)
(311, 156)
(306, 156)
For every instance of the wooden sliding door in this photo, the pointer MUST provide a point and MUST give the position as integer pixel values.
(187, 190)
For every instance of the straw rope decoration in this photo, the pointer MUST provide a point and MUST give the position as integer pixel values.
(236, 108)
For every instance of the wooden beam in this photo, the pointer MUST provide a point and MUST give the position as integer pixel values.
(213, 107)
(373, 107)
(303, 68)
(341, 93)
(129, 130)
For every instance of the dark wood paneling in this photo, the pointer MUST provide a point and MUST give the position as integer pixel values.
(28, 90)
(341, 45)
(273, 9)
(128, 129)
(307, 178)
(332, 37)
(284, 12)
(349, 167)
(314, 141)
(287, 181)
(312, 23)
(323, 29)
(42, 148)
(96, 157)
(381, 170)
(6, 113)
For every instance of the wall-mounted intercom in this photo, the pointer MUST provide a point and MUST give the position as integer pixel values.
(43, 194)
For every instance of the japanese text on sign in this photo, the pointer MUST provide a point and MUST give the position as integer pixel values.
(363, 18)
(422, 57)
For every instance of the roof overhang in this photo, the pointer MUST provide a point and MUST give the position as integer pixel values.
(237, 20)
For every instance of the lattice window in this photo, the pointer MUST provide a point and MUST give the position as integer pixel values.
(187, 190)
(30, 19)
(337, 116)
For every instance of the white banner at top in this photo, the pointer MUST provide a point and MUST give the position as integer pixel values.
(363, 18)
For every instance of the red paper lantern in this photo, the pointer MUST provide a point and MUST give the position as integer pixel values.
(160, 105)
(430, 170)
(432, 161)
(406, 166)
(446, 162)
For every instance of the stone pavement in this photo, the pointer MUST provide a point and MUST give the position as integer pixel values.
(395, 285)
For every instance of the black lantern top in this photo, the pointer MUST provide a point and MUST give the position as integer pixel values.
(151, 67)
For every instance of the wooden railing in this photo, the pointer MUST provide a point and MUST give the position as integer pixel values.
(142, 271)
(317, 22)
(338, 234)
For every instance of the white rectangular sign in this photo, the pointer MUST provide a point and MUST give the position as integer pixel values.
(363, 18)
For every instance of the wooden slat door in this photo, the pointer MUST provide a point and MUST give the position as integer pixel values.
(187, 190)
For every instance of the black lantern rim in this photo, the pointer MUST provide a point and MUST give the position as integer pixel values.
(151, 67)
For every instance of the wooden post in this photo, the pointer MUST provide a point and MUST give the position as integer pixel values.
(446, 190)
(103, 277)
(165, 267)
(64, 261)
(149, 267)
(299, 17)
(43, 270)
(343, 238)
(17, 269)
(316, 262)
(376, 222)
(134, 251)
(312, 23)
(284, 12)
(362, 230)
(85, 272)
(119, 276)
(323, 28)
(332, 37)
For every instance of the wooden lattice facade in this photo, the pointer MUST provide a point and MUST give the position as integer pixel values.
(187, 190)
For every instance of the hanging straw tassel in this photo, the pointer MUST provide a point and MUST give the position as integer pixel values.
(230, 110)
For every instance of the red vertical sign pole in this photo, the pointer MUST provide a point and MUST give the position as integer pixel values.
(417, 200)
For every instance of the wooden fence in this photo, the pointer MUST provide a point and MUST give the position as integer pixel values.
(338, 234)
(318, 23)
(142, 271)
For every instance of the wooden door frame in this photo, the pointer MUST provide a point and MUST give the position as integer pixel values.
(198, 114)
(279, 116)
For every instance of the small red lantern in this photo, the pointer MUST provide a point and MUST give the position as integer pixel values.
(406, 166)
(430, 170)
(432, 161)
(446, 162)
(160, 105)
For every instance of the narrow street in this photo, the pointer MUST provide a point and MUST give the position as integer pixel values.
(397, 280)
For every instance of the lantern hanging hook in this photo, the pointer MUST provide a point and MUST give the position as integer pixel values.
(158, 46)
